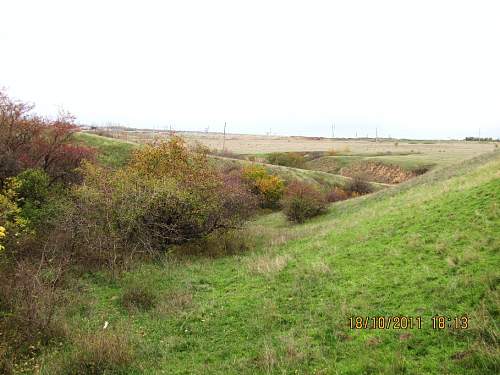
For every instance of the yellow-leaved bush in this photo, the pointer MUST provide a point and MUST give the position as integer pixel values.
(11, 222)
(269, 188)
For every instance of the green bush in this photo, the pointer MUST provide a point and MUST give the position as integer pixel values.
(303, 201)
(35, 184)
(41, 200)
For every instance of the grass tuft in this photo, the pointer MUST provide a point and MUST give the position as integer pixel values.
(101, 353)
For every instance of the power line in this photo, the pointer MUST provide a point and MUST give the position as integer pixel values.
(224, 139)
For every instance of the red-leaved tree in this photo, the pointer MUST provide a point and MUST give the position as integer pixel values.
(30, 141)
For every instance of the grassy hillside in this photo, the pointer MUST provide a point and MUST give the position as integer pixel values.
(429, 246)
(111, 152)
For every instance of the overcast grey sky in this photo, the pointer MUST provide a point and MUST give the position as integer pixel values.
(421, 69)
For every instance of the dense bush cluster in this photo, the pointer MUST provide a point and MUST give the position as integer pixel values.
(303, 201)
(168, 194)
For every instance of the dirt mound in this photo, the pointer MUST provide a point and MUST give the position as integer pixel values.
(378, 172)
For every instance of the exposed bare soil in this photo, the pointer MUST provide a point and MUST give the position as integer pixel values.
(378, 172)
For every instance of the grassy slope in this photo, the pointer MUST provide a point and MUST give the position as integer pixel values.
(315, 177)
(429, 246)
(111, 152)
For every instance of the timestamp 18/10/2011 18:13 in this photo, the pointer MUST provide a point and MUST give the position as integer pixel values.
(408, 322)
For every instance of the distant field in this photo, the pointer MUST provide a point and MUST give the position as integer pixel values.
(385, 161)
(420, 152)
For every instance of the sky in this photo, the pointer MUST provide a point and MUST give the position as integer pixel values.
(406, 69)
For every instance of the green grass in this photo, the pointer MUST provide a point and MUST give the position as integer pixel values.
(428, 246)
(110, 152)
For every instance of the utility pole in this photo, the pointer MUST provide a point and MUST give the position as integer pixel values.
(333, 130)
(224, 139)
(479, 133)
(376, 134)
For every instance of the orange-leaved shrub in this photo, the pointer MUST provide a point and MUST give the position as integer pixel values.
(267, 187)
(303, 201)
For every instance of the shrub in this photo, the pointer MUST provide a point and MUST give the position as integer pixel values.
(287, 159)
(358, 186)
(30, 293)
(268, 188)
(237, 194)
(34, 185)
(337, 194)
(303, 201)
